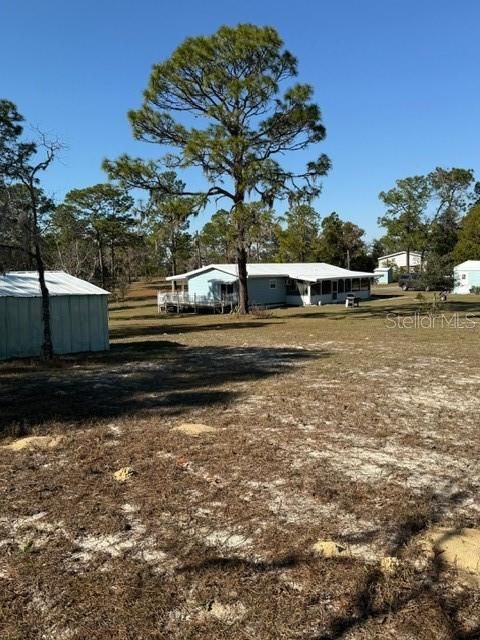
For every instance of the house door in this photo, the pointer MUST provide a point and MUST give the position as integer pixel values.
(334, 289)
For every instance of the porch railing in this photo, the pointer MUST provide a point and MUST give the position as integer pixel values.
(192, 300)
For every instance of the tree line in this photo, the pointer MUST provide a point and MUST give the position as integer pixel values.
(102, 234)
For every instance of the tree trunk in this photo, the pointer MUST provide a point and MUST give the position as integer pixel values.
(242, 277)
(101, 261)
(29, 250)
(112, 259)
(408, 260)
(47, 346)
(173, 260)
(422, 258)
(239, 213)
(199, 250)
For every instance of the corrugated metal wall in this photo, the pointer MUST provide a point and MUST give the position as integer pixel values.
(79, 323)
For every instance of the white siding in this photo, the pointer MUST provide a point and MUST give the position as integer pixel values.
(400, 260)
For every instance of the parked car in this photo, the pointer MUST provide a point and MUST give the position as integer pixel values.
(415, 282)
(410, 281)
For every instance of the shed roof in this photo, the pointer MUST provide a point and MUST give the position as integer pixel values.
(308, 271)
(469, 265)
(24, 284)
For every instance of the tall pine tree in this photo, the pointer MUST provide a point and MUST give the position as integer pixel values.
(219, 104)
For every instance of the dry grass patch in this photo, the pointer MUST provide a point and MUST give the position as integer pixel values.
(252, 439)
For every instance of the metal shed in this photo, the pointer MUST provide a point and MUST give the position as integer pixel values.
(383, 275)
(78, 310)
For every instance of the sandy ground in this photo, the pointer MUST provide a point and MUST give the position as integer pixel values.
(311, 474)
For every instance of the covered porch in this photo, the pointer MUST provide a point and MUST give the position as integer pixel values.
(326, 290)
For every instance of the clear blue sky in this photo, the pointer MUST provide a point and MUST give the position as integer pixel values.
(397, 81)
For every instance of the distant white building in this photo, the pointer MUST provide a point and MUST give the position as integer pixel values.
(399, 260)
(467, 275)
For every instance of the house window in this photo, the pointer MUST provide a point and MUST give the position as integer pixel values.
(365, 284)
(316, 289)
(341, 286)
(464, 276)
(326, 287)
(226, 289)
(348, 285)
(273, 284)
(355, 284)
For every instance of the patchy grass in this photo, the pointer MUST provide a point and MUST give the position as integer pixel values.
(321, 428)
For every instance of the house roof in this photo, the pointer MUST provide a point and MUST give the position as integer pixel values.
(308, 271)
(469, 265)
(400, 253)
(24, 284)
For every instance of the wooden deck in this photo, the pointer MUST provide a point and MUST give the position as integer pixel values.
(179, 301)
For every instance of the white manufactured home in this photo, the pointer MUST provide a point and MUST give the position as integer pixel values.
(270, 284)
(398, 260)
(78, 311)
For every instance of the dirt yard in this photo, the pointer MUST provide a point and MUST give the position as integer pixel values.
(311, 473)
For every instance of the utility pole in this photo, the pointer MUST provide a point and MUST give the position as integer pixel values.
(348, 259)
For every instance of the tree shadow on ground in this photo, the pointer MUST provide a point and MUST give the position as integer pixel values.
(377, 600)
(366, 607)
(470, 309)
(146, 296)
(136, 318)
(380, 598)
(386, 296)
(120, 333)
(124, 306)
(141, 378)
(222, 563)
(423, 308)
